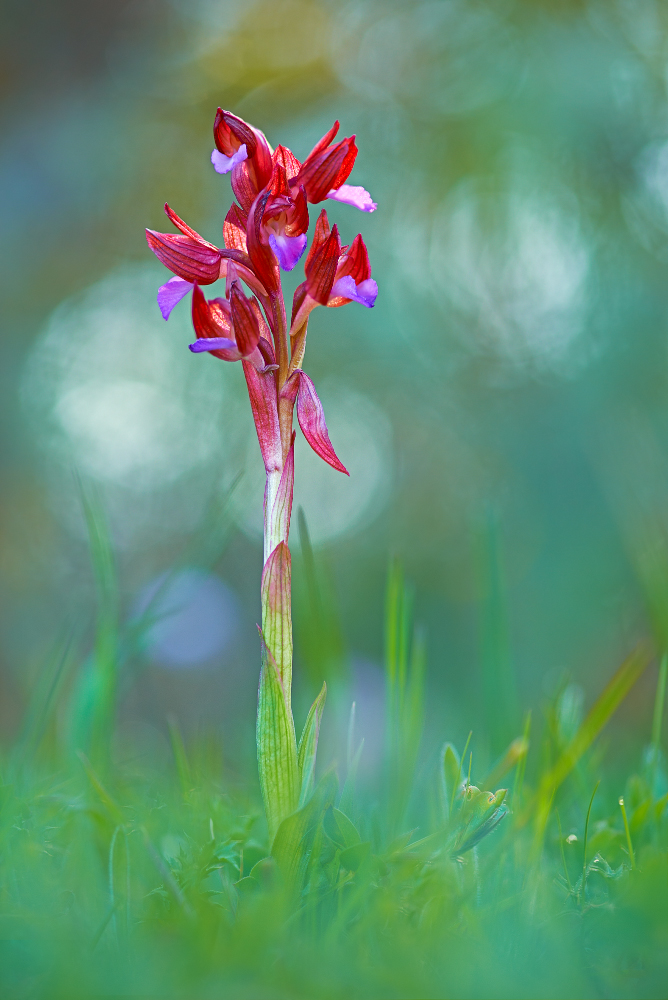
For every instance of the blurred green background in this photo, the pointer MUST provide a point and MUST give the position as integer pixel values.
(503, 409)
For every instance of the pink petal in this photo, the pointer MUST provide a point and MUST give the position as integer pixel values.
(311, 418)
(172, 292)
(262, 394)
(223, 164)
(365, 293)
(352, 194)
(288, 249)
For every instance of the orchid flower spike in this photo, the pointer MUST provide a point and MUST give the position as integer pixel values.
(265, 232)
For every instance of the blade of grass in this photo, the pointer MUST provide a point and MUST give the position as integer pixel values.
(180, 756)
(319, 629)
(106, 799)
(563, 856)
(657, 719)
(459, 772)
(628, 834)
(44, 696)
(584, 847)
(606, 704)
(94, 703)
(659, 702)
(308, 746)
(519, 773)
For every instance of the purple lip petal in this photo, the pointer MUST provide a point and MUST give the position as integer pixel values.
(223, 164)
(212, 344)
(288, 249)
(352, 194)
(365, 293)
(172, 292)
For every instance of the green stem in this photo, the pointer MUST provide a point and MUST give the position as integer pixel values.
(276, 743)
(628, 834)
(584, 854)
(657, 719)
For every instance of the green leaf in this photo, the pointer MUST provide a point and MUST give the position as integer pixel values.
(276, 746)
(340, 829)
(489, 825)
(347, 800)
(294, 840)
(354, 856)
(308, 746)
(94, 696)
(451, 771)
(276, 613)
(481, 812)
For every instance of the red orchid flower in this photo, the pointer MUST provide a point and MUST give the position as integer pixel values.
(276, 226)
(327, 168)
(244, 150)
(335, 275)
(232, 328)
(194, 260)
(265, 232)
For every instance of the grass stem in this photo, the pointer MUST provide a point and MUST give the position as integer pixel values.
(584, 851)
(628, 834)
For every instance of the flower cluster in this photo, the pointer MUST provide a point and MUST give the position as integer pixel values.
(265, 231)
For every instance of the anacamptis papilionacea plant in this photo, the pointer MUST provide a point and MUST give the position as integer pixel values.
(265, 233)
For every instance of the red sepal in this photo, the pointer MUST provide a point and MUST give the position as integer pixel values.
(298, 300)
(329, 169)
(263, 261)
(356, 261)
(212, 319)
(346, 167)
(185, 228)
(188, 255)
(320, 234)
(323, 143)
(321, 268)
(287, 160)
(234, 229)
(191, 259)
(230, 132)
(244, 321)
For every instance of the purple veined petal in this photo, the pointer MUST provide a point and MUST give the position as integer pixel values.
(365, 293)
(288, 249)
(311, 418)
(352, 194)
(223, 164)
(214, 344)
(172, 292)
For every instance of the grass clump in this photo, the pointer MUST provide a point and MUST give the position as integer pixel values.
(159, 881)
